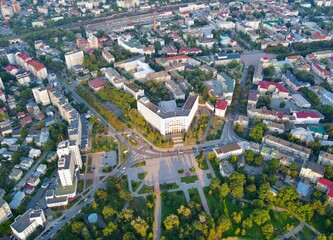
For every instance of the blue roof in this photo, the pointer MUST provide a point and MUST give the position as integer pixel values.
(224, 36)
(303, 189)
(16, 201)
(220, 56)
(293, 79)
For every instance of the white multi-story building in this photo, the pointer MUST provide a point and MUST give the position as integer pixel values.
(128, 3)
(5, 212)
(93, 42)
(23, 78)
(24, 225)
(135, 90)
(41, 95)
(226, 151)
(286, 146)
(312, 171)
(66, 170)
(115, 78)
(169, 120)
(307, 118)
(69, 147)
(325, 158)
(74, 58)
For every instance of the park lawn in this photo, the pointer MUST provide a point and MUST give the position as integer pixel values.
(282, 219)
(168, 186)
(306, 234)
(135, 185)
(102, 143)
(318, 222)
(171, 201)
(189, 179)
(139, 164)
(146, 189)
(139, 206)
(142, 175)
(194, 195)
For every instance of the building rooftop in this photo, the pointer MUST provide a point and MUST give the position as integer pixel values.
(227, 148)
(22, 222)
(175, 113)
(288, 144)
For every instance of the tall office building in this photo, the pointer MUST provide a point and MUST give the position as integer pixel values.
(41, 95)
(66, 170)
(74, 58)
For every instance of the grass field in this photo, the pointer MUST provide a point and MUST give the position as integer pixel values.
(146, 189)
(142, 175)
(306, 234)
(189, 179)
(171, 201)
(135, 185)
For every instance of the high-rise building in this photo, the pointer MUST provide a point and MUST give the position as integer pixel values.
(128, 3)
(93, 42)
(74, 58)
(1, 84)
(5, 212)
(6, 12)
(41, 95)
(70, 147)
(66, 170)
(16, 7)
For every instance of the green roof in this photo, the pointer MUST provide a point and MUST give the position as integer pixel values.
(65, 190)
(228, 82)
(318, 129)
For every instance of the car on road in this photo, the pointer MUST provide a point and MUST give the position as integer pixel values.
(124, 168)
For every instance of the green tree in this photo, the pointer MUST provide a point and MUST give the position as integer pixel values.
(111, 228)
(140, 226)
(267, 230)
(224, 190)
(260, 216)
(171, 222)
(108, 212)
(49, 145)
(236, 217)
(77, 227)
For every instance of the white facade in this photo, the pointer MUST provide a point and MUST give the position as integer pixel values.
(167, 122)
(69, 147)
(41, 95)
(325, 158)
(24, 225)
(66, 170)
(5, 212)
(226, 151)
(74, 58)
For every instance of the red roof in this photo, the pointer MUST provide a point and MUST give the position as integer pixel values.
(327, 183)
(96, 83)
(36, 65)
(25, 120)
(317, 35)
(221, 104)
(176, 58)
(307, 115)
(23, 56)
(1, 92)
(322, 70)
(20, 114)
(9, 68)
(265, 85)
